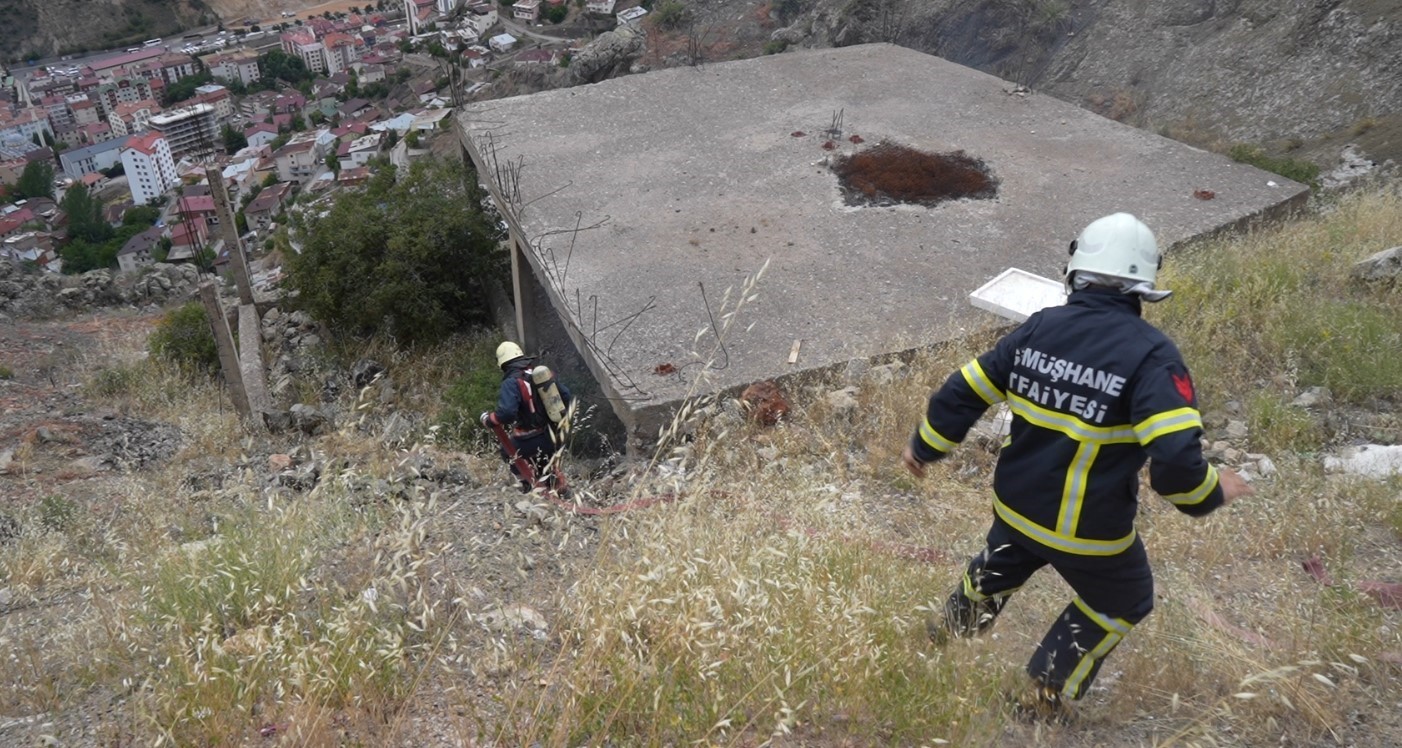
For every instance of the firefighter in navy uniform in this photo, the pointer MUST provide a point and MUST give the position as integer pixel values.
(533, 433)
(1094, 392)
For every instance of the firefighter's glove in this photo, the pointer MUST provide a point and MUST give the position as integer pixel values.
(486, 419)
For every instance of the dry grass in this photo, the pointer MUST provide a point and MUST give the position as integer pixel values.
(779, 601)
(212, 615)
(781, 598)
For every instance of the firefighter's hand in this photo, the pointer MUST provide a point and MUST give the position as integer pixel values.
(915, 466)
(1233, 485)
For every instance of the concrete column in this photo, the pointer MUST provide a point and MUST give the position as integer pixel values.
(255, 381)
(523, 293)
(224, 342)
(237, 261)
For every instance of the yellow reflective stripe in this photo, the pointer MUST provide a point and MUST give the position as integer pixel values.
(1073, 492)
(1060, 541)
(1070, 425)
(972, 591)
(1087, 662)
(979, 381)
(933, 438)
(1167, 422)
(1116, 629)
(1197, 495)
(1115, 625)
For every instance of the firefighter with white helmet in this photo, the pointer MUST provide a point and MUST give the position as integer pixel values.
(535, 408)
(1094, 392)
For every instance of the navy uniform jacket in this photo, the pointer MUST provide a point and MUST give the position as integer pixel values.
(514, 409)
(1094, 391)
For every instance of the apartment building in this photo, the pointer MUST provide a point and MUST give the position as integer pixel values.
(150, 167)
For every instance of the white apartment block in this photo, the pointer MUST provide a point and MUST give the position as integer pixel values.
(478, 19)
(149, 166)
(239, 65)
(304, 45)
(526, 10)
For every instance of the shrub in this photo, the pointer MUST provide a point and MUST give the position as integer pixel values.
(775, 46)
(56, 512)
(115, 382)
(184, 338)
(409, 256)
(469, 395)
(6, 372)
(670, 15)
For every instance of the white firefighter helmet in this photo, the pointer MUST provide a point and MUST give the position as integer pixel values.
(508, 352)
(1118, 245)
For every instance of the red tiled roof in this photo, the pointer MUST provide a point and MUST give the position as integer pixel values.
(197, 204)
(145, 143)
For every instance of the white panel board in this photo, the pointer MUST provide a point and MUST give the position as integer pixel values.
(1017, 294)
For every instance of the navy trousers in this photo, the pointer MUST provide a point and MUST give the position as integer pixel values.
(1113, 593)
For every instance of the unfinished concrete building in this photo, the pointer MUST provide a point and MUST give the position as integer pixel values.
(633, 204)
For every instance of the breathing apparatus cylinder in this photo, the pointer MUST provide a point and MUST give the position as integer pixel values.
(544, 381)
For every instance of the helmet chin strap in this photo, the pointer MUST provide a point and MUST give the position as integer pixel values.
(1143, 289)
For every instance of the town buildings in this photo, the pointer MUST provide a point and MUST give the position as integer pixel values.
(76, 162)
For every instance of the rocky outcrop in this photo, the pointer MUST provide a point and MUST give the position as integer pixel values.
(32, 295)
(1383, 268)
(612, 52)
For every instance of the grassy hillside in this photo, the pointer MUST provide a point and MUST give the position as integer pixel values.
(399, 594)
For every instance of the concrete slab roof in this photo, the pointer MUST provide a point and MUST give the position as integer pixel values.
(696, 176)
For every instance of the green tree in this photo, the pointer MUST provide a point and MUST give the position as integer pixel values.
(37, 180)
(85, 220)
(411, 139)
(144, 216)
(556, 13)
(233, 140)
(333, 162)
(79, 257)
(411, 255)
(277, 65)
(184, 88)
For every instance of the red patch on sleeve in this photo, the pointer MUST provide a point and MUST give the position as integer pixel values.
(1184, 383)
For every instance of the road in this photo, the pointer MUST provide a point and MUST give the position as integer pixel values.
(519, 31)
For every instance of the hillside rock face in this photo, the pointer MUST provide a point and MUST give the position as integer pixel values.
(48, 27)
(1202, 71)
